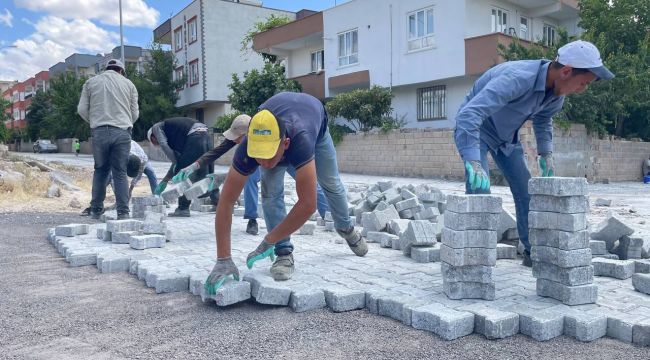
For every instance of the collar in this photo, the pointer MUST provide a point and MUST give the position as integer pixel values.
(540, 82)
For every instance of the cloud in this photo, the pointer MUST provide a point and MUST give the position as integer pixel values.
(54, 39)
(7, 18)
(134, 12)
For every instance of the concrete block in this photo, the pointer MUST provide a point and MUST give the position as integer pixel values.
(420, 233)
(468, 256)
(207, 208)
(471, 221)
(341, 299)
(372, 300)
(385, 185)
(154, 228)
(469, 238)
(382, 205)
(112, 263)
(571, 276)
(447, 323)
(559, 204)
(307, 229)
(512, 234)
(161, 209)
(374, 236)
(397, 226)
(430, 213)
(407, 194)
(392, 196)
(146, 200)
(641, 283)
(620, 325)
(232, 292)
(432, 197)
(468, 290)
(645, 249)
(505, 251)
(268, 292)
(168, 282)
(472, 274)
(610, 230)
(154, 217)
(495, 324)
(628, 248)
(557, 221)
(172, 193)
(373, 199)
(81, 258)
(307, 299)
(464, 204)
(557, 186)
(407, 204)
(359, 209)
(329, 226)
(387, 240)
(618, 269)
(561, 258)
(115, 226)
(507, 221)
(597, 247)
(426, 254)
(108, 215)
(541, 325)
(585, 326)
(606, 256)
(197, 189)
(641, 333)
(142, 242)
(569, 295)
(103, 235)
(408, 214)
(71, 230)
(642, 266)
(603, 202)
(123, 237)
(328, 216)
(392, 307)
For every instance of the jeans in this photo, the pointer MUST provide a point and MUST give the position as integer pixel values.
(251, 192)
(151, 176)
(515, 170)
(327, 173)
(196, 145)
(111, 148)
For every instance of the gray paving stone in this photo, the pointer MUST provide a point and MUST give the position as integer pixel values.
(541, 325)
(374, 236)
(112, 263)
(232, 292)
(115, 226)
(407, 194)
(420, 233)
(406, 204)
(329, 226)
(267, 291)
(447, 323)
(607, 256)
(620, 325)
(103, 235)
(471, 221)
(142, 242)
(557, 221)
(569, 295)
(388, 240)
(469, 238)
(474, 274)
(557, 186)
(307, 229)
(372, 300)
(494, 323)
(71, 230)
(505, 251)
(641, 333)
(174, 191)
(585, 326)
(154, 228)
(307, 299)
(81, 258)
(197, 189)
(426, 254)
(560, 204)
(397, 226)
(430, 213)
(628, 248)
(469, 290)
(507, 221)
(572, 276)
(561, 258)
(474, 204)
(392, 196)
(167, 282)
(123, 237)
(641, 283)
(642, 266)
(468, 256)
(619, 269)
(610, 230)
(597, 247)
(146, 200)
(392, 307)
(341, 299)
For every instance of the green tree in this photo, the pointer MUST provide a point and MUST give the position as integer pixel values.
(270, 22)
(4, 105)
(4, 133)
(258, 86)
(363, 108)
(63, 120)
(37, 113)
(224, 121)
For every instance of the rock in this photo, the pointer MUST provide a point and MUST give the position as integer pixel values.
(53, 191)
(603, 202)
(75, 204)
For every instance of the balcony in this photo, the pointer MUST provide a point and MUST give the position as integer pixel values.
(481, 52)
(162, 33)
(295, 35)
(554, 9)
(313, 84)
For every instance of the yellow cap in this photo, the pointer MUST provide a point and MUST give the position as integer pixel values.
(263, 136)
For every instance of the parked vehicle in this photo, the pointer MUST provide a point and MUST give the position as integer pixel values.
(42, 145)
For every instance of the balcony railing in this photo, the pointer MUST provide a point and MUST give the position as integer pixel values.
(481, 52)
(313, 84)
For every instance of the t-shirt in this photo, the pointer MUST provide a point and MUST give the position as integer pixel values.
(305, 123)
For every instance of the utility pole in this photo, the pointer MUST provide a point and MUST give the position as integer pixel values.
(121, 35)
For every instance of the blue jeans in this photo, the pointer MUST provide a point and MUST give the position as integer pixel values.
(327, 173)
(151, 176)
(111, 147)
(251, 191)
(515, 170)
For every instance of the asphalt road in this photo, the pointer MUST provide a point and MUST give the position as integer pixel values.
(52, 311)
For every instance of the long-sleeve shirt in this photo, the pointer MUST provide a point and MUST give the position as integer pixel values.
(212, 155)
(500, 102)
(109, 99)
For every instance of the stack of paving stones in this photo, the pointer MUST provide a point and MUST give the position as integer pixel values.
(205, 205)
(469, 246)
(141, 204)
(560, 240)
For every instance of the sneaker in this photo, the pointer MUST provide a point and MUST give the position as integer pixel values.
(180, 213)
(86, 212)
(96, 213)
(527, 262)
(355, 241)
(252, 228)
(282, 268)
(123, 216)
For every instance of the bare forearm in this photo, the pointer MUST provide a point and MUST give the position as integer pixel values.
(222, 227)
(296, 218)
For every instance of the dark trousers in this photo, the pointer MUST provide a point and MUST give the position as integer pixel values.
(111, 147)
(197, 144)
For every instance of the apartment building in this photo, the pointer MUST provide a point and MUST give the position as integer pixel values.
(428, 52)
(6, 85)
(205, 38)
(20, 96)
(133, 56)
(78, 65)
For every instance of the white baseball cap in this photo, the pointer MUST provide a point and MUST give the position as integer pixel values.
(582, 54)
(115, 63)
(238, 127)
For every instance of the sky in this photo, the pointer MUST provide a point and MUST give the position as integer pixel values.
(36, 34)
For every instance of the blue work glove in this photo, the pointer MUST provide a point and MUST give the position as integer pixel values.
(547, 165)
(212, 181)
(185, 173)
(160, 188)
(263, 250)
(220, 273)
(476, 175)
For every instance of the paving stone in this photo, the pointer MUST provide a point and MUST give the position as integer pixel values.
(385, 185)
(123, 237)
(146, 200)
(561, 258)
(559, 204)
(618, 269)
(597, 247)
(168, 282)
(477, 274)
(397, 226)
(197, 189)
(174, 191)
(507, 221)
(141, 242)
(628, 248)
(585, 326)
(569, 295)
(307, 299)
(620, 325)
(474, 204)
(420, 233)
(307, 229)
(469, 256)
(388, 240)
(505, 251)
(572, 276)
(154, 228)
(407, 204)
(541, 325)
(557, 221)
(641, 283)
(268, 292)
(641, 333)
(103, 235)
(557, 186)
(426, 254)
(469, 290)
(341, 299)
(116, 226)
(374, 236)
(512, 234)
(81, 258)
(603, 202)
(469, 238)
(642, 266)
(610, 230)
(359, 209)
(232, 292)
(494, 323)
(607, 256)
(112, 263)
(471, 221)
(447, 323)
(329, 226)
(430, 213)
(372, 300)
(71, 230)
(407, 194)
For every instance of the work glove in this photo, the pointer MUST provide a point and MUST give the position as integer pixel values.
(263, 250)
(212, 181)
(160, 188)
(185, 173)
(547, 165)
(220, 273)
(476, 175)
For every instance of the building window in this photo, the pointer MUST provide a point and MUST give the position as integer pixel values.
(420, 31)
(348, 48)
(178, 38)
(317, 60)
(178, 75)
(192, 30)
(524, 28)
(194, 72)
(549, 35)
(499, 20)
(432, 103)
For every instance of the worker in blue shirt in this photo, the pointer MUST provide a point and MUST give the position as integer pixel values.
(502, 100)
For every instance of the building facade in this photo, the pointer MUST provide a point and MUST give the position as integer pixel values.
(133, 56)
(20, 96)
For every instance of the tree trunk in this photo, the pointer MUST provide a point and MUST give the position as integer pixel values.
(620, 120)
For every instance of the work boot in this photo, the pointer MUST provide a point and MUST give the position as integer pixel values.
(282, 268)
(355, 241)
(86, 212)
(527, 262)
(96, 213)
(123, 216)
(252, 228)
(180, 213)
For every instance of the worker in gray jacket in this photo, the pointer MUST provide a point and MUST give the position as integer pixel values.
(109, 103)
